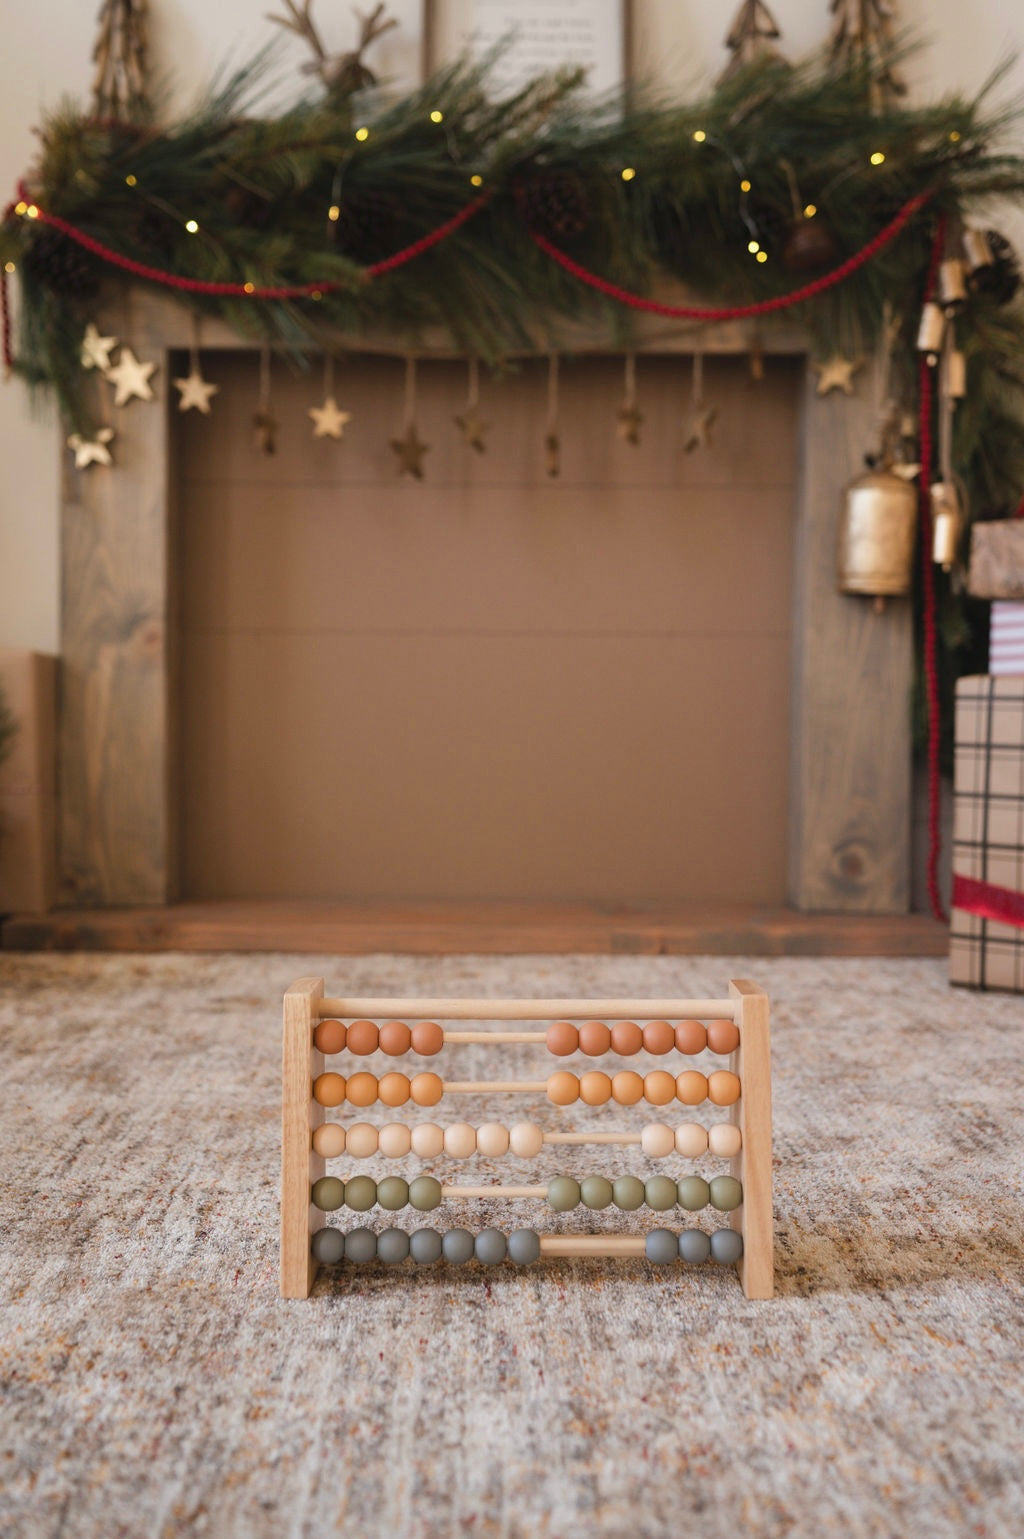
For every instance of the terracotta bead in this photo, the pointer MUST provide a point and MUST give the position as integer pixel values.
(563, 1088)
(691, 1140)
(395, 1140)
(659, 1037)
(361, 1140)
(627, 1038)
(329, 1037)
(526, 1140)
(595, 1039)
(627, 1087)
(657, 1140)
(723, 1087)
(659, 1087)
(395, 1038)
(329, 1089)
(460, 1140)
(427, 1089)
(723, 1036)
(427, 1038)
(595, 1088)
(329, 1140)
(362, 1038)
(691, 1037)
(427, 1140)
(393, 1089)
(562, 1038)
(691, 1087)
(725, 1139)
(492, 1139)
(362, 1088)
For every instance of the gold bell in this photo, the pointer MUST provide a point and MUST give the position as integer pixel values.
(954, 374)
(876, 535)
(952, 281)
(977, 249)
(947, 522)
(932, 328)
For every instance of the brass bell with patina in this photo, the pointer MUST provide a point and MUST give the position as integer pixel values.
(877, 531)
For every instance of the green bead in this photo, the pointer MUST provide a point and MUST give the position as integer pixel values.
(660, 1193)
(424, 1193)
(726, 1193)
(596, 1192)
(328, 1193)
(628, 1193)
(393, 1193)
(360, 1193)
(563, 1194)
(694, 1193)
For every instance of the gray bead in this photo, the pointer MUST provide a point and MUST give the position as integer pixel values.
(424, 1193)
(563, 1194)
(726, 1246)
(457, 1246)
(425, 1246)
(392, 1246)
(660, 1193)
(393, 1193)
(328, 1193)
(329, 1245)
(360, 1193)
(726, 1193)
(661, 1247)
(596, 1192)
(628, 1193)
(490, 1247)
(694, 1246)
(523, 1246)
(694, 1193)
(360, 1245)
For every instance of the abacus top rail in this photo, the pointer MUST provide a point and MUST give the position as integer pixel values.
(528, 1009)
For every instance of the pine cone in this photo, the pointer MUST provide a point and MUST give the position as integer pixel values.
(248, 208)
(1000, 279)
(62, 265)
(153, 230)
(553, 204)
(369, 225)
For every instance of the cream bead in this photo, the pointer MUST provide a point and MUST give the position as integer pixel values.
(329, 1140)
(657, 1140)
(492, 1139)
(361, 1140)
(691, 1140)
(427, 1140)
(460, 1140)
(526, 1140)
(725, 1138)
(395, 1140)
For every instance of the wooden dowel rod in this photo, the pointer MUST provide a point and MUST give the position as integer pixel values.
(592, 1245)
(591, 1138)
(495, 1086)
(498, 1038)
(529, 1009)
(494, 1191)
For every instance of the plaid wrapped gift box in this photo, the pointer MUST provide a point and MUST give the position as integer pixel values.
(987, 923)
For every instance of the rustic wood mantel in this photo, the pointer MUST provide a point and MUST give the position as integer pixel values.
(849, 814)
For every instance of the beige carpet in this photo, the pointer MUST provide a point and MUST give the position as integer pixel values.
(155, 1385)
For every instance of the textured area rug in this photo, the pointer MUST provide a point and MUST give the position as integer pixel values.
(155, 1385)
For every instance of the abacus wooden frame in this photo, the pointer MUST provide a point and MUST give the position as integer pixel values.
(305, 1004)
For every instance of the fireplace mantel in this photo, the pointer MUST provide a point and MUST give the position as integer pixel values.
(850, 780)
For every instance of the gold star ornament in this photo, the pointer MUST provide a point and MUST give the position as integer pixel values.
(473, 429)
(630, 422)
(701, 423)
(328, 421)
(92, 451)
(195, 391)
(96, 350)
(836, 374)
(130, 378)
(410, 451)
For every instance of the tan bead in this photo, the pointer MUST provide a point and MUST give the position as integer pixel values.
(460, 1140)
(659, 1037)
(627, 1087)
(725, 1139)
(595, 1088)
(427, 1140)
(526, 1140)
(395, 1038)
(427, 1038)
(659, 1087)
(691, 1037)
(361, 1140)
(723, 1036)
(492, 1139)
(329, 1089)
(691, 1140)
(329, 1037)
(691, 1087)
(329, 1140)
(427, 1089)
(627, 1038)
(562, 1038)
(395, 1140)
(657, 1140)
(723, 1087)
(595, 1039)
(362, 1088)
(393, 1089)
(563, 1088)
(362, 1038)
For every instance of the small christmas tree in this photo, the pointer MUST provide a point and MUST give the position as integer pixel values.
(119, 85)
(862, 35)
(751, 37)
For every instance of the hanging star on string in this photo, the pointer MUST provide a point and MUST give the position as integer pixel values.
(553, 454)
(131, 378)
(836, 374)
(410, 452)
(92, 451)
(328, 421)
(630, 422)
(96, 350)
(195, 391)
(265, 432)
(701, 423)
(472, 427)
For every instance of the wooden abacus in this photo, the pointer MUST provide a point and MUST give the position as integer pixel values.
(316, 1027)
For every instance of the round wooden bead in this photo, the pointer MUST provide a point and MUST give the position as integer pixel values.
(526, 1140)
(362, 1088)
(595, 1088)
(393, 1193)
(460, 1140)
(427, 1140)
(723, 1036)
(627, 1087)
(691, 1037)
(329, 1089)
(426, 1089)
(725, 1138)
(694, 1193)
(395, 1140)
(694, 1246)
(329, 1245)
(457, 1246)
(425, 1246)
(660, 1193)
(490, 1247)
(628, 1193)
(492, 1140)
(659, 1037)
(660, 1247)
(659, 1087)
(723, 1087)
(563, 1088)
(691, 1140)
(392, 1246)
(523, 1246)
(596, 1192)
(361, 1140)
(329, 1037)
(395, 1038)
(595, 1039)
(393, 1089)
(424, 1193)
(627, 1038)
(726, 1246)
(726, 1193)
(563, 1194)
(328, 1193)
(360, 1245)
(360, 1193)
(691, 1087)
(657, 1140)
(329, 1140)
(362, 1038)
(427, 1038)
(562, 1038)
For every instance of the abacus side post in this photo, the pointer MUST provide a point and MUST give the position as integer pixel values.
(753, 1165)
(300, 1063)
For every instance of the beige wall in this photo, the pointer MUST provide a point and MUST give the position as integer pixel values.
(46, 56)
